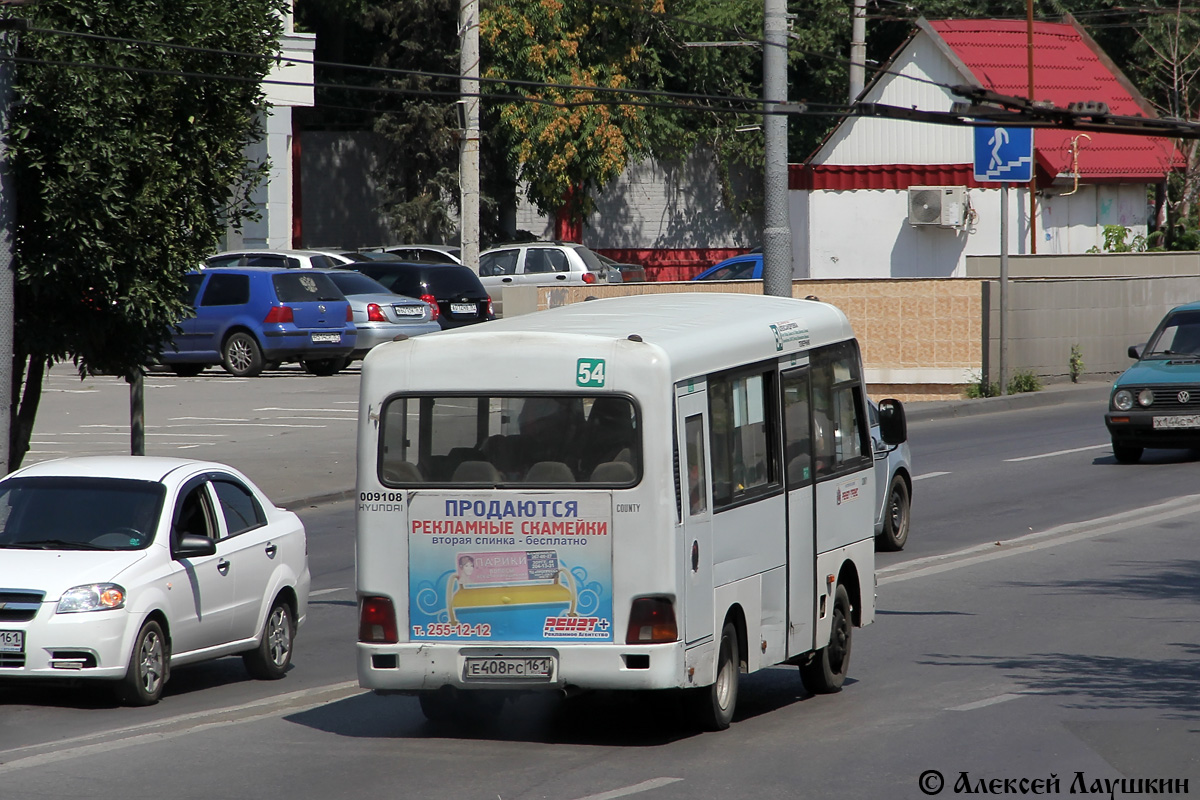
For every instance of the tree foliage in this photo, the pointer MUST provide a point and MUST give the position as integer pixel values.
(124, 154)
(567, 143)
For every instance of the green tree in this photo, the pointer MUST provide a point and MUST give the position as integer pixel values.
(128, 159)
(565, 143)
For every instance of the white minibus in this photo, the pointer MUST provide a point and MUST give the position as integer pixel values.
(651, 492)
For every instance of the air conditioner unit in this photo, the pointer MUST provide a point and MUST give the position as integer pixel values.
(944, 206)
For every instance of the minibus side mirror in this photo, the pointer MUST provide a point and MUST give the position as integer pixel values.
(893, 428)
(1135, 350)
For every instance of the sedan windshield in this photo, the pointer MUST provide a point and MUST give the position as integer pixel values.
(60, 513)
(522, 441)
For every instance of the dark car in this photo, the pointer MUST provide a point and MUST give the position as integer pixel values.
(452, 290)
(247, 318)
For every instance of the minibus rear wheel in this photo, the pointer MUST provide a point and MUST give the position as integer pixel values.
(714, 705)
(826, 671)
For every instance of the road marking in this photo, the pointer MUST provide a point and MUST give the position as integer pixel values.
(991, 701)
(312, 410)
(637, 788)
(930, 475)
(1030, 542)
(175, 727)
(1058, 453)
(328, 591)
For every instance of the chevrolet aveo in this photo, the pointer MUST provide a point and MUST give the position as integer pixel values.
(120, 568)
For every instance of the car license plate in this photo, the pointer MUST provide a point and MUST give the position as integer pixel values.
(1177, 421)
(409, 311)
(507, 668)
(462, 308)
(12, 641)
(333, 338)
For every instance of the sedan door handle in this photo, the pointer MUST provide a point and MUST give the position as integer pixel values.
(223, 567)
(271, 550)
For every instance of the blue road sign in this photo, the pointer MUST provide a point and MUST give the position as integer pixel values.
(1004, 155)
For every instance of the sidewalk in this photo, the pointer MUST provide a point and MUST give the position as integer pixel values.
(1094, 391)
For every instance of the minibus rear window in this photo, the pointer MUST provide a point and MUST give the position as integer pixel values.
(517, 441)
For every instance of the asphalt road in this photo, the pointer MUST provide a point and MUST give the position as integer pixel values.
(1041, 625)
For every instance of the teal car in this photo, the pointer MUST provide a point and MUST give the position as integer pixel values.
(1156, 402)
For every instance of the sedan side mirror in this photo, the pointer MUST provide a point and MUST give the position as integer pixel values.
(1135, 350)
(192, 546)
(893, 427)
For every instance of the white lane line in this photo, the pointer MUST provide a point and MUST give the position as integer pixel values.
(1030, 542)
(1058, 453)
(174, 727)
(637, 788)
(327, 591)
(930, 475)
(311, 410)
(991, 701)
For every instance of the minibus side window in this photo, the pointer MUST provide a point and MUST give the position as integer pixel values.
(697, 479)
(797, 450)
(839, 425)
(742, 454)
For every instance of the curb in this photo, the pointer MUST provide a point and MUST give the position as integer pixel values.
(1091, 392)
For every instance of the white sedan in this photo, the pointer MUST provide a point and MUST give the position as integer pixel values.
(122, 567)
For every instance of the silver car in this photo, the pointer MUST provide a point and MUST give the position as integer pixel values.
(893, 489)
(381, 315)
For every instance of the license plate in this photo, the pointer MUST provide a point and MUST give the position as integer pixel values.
(508, 668)
(462, 308)
(327, 337)
(409, 311)
(1177, 421)
(12, 641)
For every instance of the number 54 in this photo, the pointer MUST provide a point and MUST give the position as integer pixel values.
(589, 372)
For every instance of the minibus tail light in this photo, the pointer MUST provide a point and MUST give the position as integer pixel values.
(652, 621)
(377, 621)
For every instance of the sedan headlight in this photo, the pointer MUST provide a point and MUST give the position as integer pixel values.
(92, 597)
(1123, 400)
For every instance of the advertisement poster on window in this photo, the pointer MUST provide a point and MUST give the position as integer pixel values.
(525, 567)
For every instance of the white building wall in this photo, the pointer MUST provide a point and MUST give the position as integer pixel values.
(866, 233)
(871, 140)
(287, 85)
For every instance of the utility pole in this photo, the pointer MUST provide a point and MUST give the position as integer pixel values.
(777, 232)
(1033, 176)
(858, 49)
(468, 154)
(9, 27)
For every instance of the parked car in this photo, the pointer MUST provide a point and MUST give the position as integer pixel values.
(893, 488)
(369, 255)
(426, 253)
(537, 263)
(748, 267)
(1156, 402)
(249, 318)
(453, 291)
(381, 315)
(122, 568)
(629, 272)
(289, 259)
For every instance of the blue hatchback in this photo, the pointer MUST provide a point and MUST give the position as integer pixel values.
(247, 318)
(739, 268)
(1156, 402)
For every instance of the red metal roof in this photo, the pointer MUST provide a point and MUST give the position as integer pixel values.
(1067, 68)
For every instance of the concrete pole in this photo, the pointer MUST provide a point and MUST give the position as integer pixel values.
(1003, 288)
(8, 212)
(858, 49)
(468, 154)
(777, 233)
